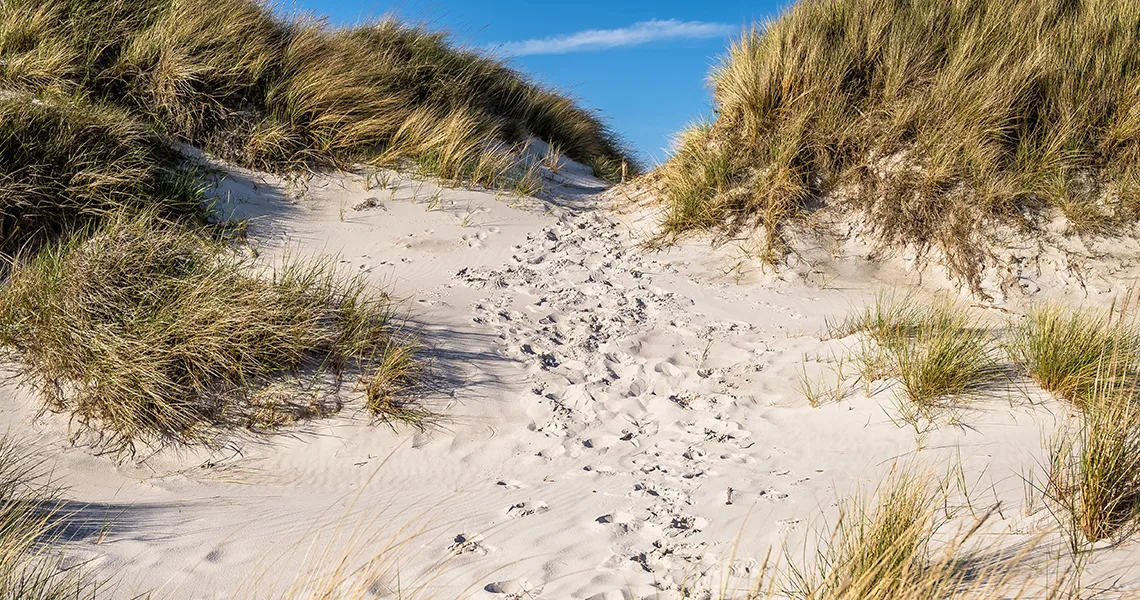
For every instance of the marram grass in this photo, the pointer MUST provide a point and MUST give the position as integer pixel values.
(1071, 352)
(281, 93)
(154, 330)
(30, 568)
(938, 350)
(897, 545)
(938, 119)
(1093, 481)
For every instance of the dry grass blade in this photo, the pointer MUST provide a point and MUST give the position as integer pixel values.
(28, 569)
(1094, 471)
(883, 548)
(937, 349)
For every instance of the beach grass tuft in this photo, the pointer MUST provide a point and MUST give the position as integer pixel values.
(156, 330)
(1071, 352)
(1093, 481)
(937, 349)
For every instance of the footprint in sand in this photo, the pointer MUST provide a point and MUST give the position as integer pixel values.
(468, 544)
(514, 589)
(526, 509)
(511, 484)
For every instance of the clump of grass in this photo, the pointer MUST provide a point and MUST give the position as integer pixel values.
(938, 120)
(1094, 476)
(1068, 352)
(396, 377)
(65, 162)
(950, 355)
(882, 548)
(156, 331)
(876, 551)
(937, 350)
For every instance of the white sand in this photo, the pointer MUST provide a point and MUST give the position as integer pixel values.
(600, 401)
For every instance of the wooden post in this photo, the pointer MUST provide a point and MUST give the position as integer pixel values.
(623, 171)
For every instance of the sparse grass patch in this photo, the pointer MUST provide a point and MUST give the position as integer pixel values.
(939, 121)
(155, 330)
(937, 349)
(395, 378)
(1068, 352)
(875, 551)
(27, 499)
(883, 548)
(950, 355)
(1094, 472)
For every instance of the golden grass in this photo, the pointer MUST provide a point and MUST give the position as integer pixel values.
(27, 514)
(936, 119)
(283, 94)
(64, 162)
(1093, 481)
(939, 351)
(155, 330)
(883, 548)
(1070, 352)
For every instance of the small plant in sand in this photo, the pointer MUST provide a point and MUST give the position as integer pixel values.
(1093, 481)
(155, 330)
(883, 548)
(393, 382)
(937, 350)
(553, 159)
(875, 551)
(1069, 352)
(824, 389)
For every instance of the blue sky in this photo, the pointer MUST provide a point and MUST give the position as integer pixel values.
(643, 63)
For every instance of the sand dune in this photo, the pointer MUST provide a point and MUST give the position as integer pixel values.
(615, 421)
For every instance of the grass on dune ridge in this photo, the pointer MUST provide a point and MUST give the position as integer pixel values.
(95, 98)
(937, 119)
(278, 93)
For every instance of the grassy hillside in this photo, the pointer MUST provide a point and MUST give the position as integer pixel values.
(935, 117)
(286, 93)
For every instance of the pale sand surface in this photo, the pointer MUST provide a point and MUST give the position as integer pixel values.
(598, 401)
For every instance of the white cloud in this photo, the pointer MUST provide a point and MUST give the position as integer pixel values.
(602, 39)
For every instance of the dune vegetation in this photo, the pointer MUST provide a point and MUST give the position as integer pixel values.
(28, 518)
(126, 302)
(153, 329)
(112, 253)
(282, 93)
(939, 355)
(941, 122)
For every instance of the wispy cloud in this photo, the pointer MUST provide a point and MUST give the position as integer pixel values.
(602, 39)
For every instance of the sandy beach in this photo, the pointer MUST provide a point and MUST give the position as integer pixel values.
(612, 421)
